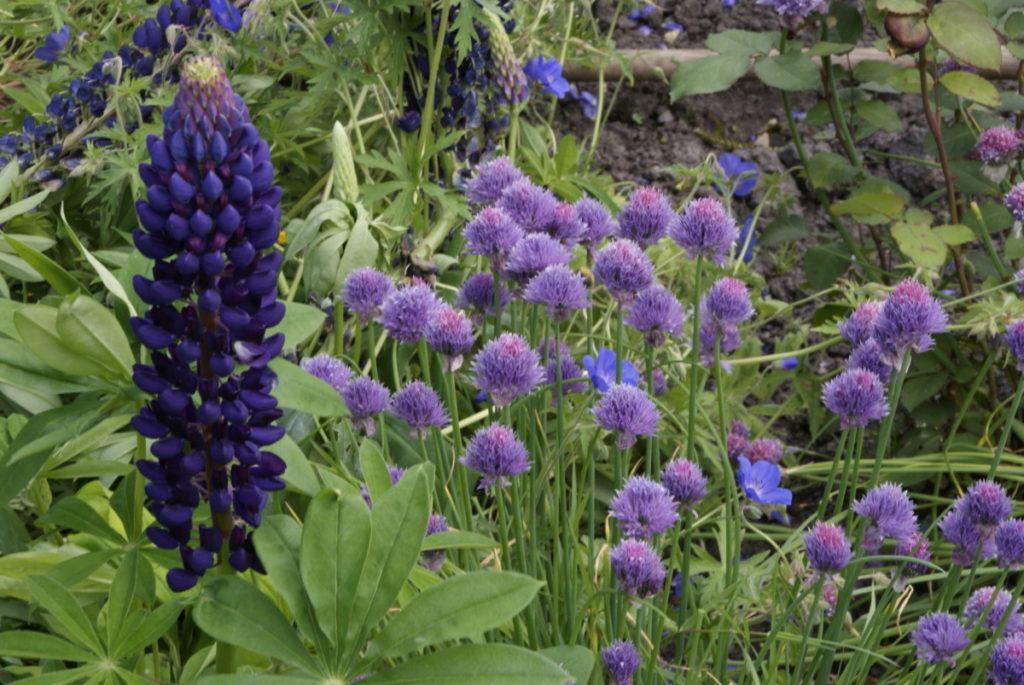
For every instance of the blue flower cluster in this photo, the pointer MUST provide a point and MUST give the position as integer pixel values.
(211, 209)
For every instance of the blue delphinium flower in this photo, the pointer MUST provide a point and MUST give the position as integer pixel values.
(210, 213)
(56, 42)
(602, 371)
(547, 71)
(226, 14)
(760, 482)
(736, 168)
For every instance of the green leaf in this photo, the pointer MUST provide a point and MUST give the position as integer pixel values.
(908, 80)
(745, 43)
(343, 170)
(971, 86)
(13, 536)
(71, 512)
(32, 645)
(901, 6)
(360, 250)
(300, 323)
(971, 178)
(792, 71)
(234, 611)
(826, 48)
(475, 665)
(708, 74)
(335, 540)
(74, 675)
(399, 523)
(918, 389)
(922, 245)
(297, 389)
(298, 474)
(375, 469)
(577, 660)
(91, 330)
(785, 228)
(566, 155)
(867, 204)
(278, 543)
(461, 606)
(255, 679)
(954, 234)
(122, 591)
(109, 280)
(457, 539)
(22, 206)
(878, 113)
(965, 34)
(156, 623)
(826, 168)
(25, 370)
(64, 609)
(54, 273)
(824, 265)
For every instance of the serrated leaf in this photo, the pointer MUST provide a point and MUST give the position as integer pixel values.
(965, 34)
(792, 71)
(971, 86)
(708, 74)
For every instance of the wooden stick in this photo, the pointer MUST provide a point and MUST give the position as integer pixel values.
(655, 65)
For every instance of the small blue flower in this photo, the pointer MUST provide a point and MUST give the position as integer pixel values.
(602, 372)
(728, 3)
(790, 363)
(748, 256)
(673, 26)
(761, 482)
(56, 42)
(746, 172)
(226, 14)
(548, 73)
(644, 30)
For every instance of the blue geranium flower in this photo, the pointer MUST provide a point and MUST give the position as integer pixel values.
(790, 363)
(761, 482)
(226, 14)
(602, 371)
(588, 103)
(746, 172)
(56, 42)
(748, 255)
(548, 73)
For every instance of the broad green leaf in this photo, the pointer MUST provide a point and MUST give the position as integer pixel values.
(22, 206)
(300, 323)
(297, 389)
(18, 268)
(278, 543)
(971, 86)
(919, 389)
(91, 330)
(71, 512)
(256, 679)
(152, 627)
(92, 438)
(824, 265)
(475, 665)
(783, 229)
(54, 273)
(8, 174)
(922, 245)
(576, 660)
(303, 231)
(64, 609)
(954, 234)
(37, 327)
(28, 644)
(335, 540)
(399, 523)
(23, 369)
(878, 113)
(13, 536)
(461, 606)
(792, 71)
(826, 48)
(109, 280)
(741, 42)
(826, 168)
(323, 263)
(375, 469)
(74, 675)
(908, 80)
(121, 594)
(966, 34)
(458, 539)
(234, 611)
(708, 74)
(867, 204)
(299, 474)
(901, 6)
(360, 250)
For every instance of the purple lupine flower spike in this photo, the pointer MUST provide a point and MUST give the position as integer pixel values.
(211, 211)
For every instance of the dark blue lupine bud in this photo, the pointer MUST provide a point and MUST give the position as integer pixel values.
(212, 298)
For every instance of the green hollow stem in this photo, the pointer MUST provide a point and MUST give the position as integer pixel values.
(843, 437)
(885, 434)
(730, 509)
(227, 655)
(1014, 408)
(691, 417)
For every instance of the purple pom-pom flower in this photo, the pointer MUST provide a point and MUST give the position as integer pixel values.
(996, 145)
(646, 217)
(624, 269)
(533, 254)
(1009, 541)
(638, 568)
(627, 411)
(491, 179)
(407, 311)
(656, 313)
(364, 292)
(506, 368)
(598, 222)
(418, 405)
(476, 296)
(621, 660)
(685, 481)
(860, 325)
(644, 508)
(856, 396)
(868, 356)
(560, 288)
(529, 205)
(994, 606)
(1014, 201)
(938, 637)
(450, 334)
(1007, 661)
(365, 397)
(828, 549)
(332, 371)
(433, 560)
(1015, 341)
(909, 318)
(496, 453)
(705, 229)
(492, 233)
(890, 514)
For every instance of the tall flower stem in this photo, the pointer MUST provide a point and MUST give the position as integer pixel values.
(851, 465)
(731, 558)
(462, 495)
(651, 458)
(1010, 417)
(836, 459)
(564, 548)
(691, 418)
(886, 432)
(435, 49)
